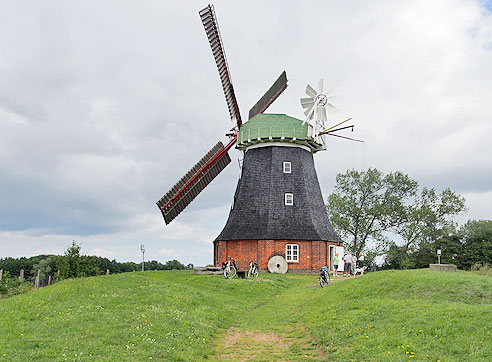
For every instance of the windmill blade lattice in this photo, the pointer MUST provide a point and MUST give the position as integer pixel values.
(212, 29)
(269, 97)
(195, 180)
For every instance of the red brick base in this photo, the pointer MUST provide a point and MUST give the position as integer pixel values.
(312, 254)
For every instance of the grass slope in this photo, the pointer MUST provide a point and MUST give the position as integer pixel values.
(166, 316)
(415, 315)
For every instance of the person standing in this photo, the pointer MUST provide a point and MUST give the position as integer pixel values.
(354, 262)
(335, 264)
(361, 261)
(348, 264)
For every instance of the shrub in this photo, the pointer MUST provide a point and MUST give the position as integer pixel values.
(11, 286)
(485, 270)
(476, 267)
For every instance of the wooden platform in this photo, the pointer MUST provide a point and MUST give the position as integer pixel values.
(207, 270)
(215, 270)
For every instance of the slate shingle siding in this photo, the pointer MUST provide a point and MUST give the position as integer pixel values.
(259, 212)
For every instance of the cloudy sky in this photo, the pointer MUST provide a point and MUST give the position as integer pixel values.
(104, 105)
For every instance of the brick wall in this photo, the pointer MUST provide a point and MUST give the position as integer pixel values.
(312, 254)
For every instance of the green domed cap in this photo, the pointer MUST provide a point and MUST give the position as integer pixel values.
(264, 127)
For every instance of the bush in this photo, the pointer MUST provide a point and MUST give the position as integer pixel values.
(485, 270)
(11, 286)
(476, 267)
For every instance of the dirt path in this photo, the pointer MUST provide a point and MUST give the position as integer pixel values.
(249, 345)
(273, 331)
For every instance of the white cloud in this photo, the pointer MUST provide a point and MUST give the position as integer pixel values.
(189, 240)
(167, 252)
(102, 253)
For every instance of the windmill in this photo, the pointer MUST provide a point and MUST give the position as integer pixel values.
(278, 214)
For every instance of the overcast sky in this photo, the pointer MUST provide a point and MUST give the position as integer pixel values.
(104, 105)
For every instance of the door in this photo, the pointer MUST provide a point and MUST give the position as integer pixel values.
(331, 254)
(339, 251)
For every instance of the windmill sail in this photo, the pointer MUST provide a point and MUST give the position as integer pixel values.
(269, 97)
(212, 29)
(195, 180)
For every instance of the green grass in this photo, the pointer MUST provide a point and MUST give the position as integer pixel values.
(177, 316)
(392, 315)
(169, 316)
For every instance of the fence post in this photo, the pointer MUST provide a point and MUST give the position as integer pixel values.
(49, 279)
(36, 281)
(107, 271)
(21, 275)
(1, 274)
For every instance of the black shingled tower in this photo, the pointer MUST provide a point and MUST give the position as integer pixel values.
(258, 210)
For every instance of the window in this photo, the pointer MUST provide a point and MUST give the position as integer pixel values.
(289, 199)
(287, 167)
(292, 253)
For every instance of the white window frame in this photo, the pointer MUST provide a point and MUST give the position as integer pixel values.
(292, 253)
(287, 167)
(289, 199)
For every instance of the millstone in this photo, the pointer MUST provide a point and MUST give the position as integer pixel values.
(277, 264)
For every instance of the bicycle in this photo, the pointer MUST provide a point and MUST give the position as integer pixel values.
(253, 269)
(324, 277)
(230, 268)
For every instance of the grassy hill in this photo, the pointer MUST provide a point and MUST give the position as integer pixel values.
(395, 315)
(415, 315)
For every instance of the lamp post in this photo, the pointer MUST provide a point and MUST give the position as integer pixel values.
(142, 247)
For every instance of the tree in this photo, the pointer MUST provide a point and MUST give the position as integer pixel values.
(425, 253)
(395, 258)
(366, 204)
(70, 263)
(45, 267)
(477, 243)
(428, 217)
(27, 264)
(73, 264)
(90, 266)
(174, 264)
(154, 265)
(129, 266)
(452, 250)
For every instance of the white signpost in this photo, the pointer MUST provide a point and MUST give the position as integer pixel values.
(142, 247)
(438, 256)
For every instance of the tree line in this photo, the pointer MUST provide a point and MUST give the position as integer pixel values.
(73, 264)
(391, 216)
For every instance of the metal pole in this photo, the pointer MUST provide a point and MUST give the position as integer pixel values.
(142, 247)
